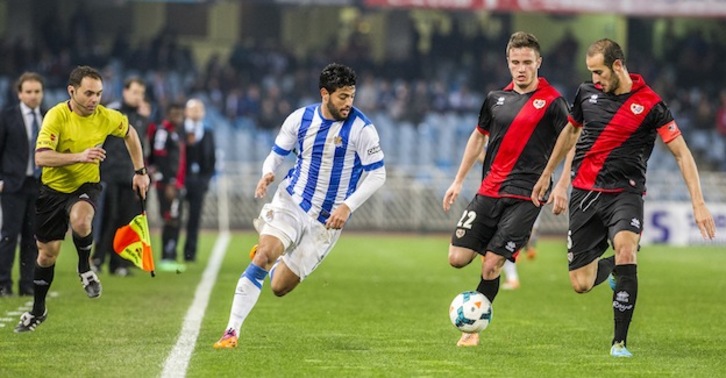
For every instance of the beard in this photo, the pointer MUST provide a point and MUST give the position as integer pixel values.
(614, 84)
(334, 112)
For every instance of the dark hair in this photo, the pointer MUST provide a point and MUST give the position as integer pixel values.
(174, 106)
(80, 72)
(609, 49)
(521, 39)
(132, 80)
(28, 76)
(336, 75)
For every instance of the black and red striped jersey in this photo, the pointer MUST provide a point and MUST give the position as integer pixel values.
(618, 135)
(522, 129)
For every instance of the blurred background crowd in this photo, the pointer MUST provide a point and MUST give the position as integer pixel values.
(423, 93)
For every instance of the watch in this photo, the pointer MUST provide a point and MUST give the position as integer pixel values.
(141, 171)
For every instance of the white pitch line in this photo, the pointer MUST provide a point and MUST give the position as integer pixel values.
(177, 362)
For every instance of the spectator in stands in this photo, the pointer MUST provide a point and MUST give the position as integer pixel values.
(200, 163)
(521, 123)
(167, 165)
(616, 118)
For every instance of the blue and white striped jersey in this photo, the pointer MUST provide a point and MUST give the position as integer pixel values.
(332, 156)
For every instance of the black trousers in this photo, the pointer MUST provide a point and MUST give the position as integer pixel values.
(18, 215)
(196, 189)
(119, 205)
(170, 207)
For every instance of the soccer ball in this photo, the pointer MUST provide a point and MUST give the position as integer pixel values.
(470, 312)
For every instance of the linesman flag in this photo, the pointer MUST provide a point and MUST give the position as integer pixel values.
(133, 242)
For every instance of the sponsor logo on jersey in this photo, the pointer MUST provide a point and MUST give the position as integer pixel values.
(593, 99)
(500, 101)
(539, 103)
(636, 108)
(374, 150)
(635, 223)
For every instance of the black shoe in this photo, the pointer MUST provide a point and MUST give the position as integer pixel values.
(29, 322)
(91, 284)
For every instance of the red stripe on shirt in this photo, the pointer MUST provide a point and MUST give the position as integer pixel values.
(620, 128)
(516, 139)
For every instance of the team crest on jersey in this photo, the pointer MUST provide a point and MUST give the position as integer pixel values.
(539, 103)
(338, 140)
(636, 108)
(460, 232)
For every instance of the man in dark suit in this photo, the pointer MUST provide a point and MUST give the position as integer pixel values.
(20, 183)
(200, 154)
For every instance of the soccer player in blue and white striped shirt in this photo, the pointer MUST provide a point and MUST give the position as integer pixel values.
(339, 166)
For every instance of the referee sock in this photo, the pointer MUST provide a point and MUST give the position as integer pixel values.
(83, 246)
(246, 294)
(604, 268)
(489, 288)
(42, 278)
(626, 292)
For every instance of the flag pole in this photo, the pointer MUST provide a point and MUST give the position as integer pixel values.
(142, 201)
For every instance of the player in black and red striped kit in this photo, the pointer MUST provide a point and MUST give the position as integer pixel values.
(616, 117)
(521, 123)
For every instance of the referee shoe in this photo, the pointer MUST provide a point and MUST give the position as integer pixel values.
(91, 284)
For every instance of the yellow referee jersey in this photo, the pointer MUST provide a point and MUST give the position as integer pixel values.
(67, 132)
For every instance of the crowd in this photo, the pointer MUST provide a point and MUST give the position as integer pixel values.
(261, 82)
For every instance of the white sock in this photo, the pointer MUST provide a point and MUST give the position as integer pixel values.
(246, 294)
(510, 271)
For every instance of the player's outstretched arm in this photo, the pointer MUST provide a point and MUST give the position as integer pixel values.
(474, 147)
(688, 168)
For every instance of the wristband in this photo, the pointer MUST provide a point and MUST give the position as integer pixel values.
(141, 171)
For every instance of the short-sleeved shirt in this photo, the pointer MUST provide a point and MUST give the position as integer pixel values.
(618, 135)
(522, 130)
(66, 132)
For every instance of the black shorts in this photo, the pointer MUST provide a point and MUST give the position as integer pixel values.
(499, 225)
(595, 219)
(53, 210)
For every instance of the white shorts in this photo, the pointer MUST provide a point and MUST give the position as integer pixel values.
(306, 241)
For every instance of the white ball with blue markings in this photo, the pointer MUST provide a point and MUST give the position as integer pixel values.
(470, 312)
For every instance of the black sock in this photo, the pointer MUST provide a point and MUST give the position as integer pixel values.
(83, 246)
(489, 288)
(604, 268)
(626, 292)
(42, 278)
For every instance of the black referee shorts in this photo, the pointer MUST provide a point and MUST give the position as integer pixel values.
(595, 219)
(53, 210)
(499, 225)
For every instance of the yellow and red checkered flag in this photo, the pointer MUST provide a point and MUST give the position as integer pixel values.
(133, 242)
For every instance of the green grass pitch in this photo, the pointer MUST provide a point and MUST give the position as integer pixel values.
(378, 306)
